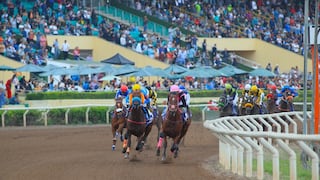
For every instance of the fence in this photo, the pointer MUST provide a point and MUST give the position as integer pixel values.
(252, 135)
(45, 110)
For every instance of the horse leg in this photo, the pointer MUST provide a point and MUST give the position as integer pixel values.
(120, 131)
(164, 153)
(175, 145)
(146, 134)
(140, 143)
(160, 143)
(125, 143)
(126, 156)
(114, 139)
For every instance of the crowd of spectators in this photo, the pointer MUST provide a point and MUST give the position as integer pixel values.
(277, 22)
(27, 29)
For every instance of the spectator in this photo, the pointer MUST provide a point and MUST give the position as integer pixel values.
(3, 100)
(268, 67)
(14, 100)
(65, 49)
(76, 53)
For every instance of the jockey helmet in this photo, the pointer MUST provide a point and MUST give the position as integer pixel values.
(286, 87)
(136, 87)
(254, 88)
(124, 88)
(182, 87)
(273, 87)
(247, 87)
(228, 86)
(174, 88)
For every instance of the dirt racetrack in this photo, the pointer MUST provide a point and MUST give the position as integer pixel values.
(84, 153)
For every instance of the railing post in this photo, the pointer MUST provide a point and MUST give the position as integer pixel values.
(46, 117)
(25, 118)
(87, 115)
(66, 118)
(3, 118)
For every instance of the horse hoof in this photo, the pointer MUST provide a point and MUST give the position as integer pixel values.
(113, 147)
(126, 156)
(175, 155)
(163, 158)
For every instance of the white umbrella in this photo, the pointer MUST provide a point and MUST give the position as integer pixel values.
(109, 78)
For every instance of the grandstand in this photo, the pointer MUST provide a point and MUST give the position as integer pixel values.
(103, 28)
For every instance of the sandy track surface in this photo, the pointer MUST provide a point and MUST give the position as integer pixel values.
(84, 153)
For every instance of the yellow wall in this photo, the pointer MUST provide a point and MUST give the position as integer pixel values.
(103, 49)
(259, 51)
(5, 75)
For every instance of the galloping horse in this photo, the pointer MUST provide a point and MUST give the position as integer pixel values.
(173, 126)
(118, 121)
(225, 107)
(271, 104)
(286, 103)
(136, 125)
(250, 107)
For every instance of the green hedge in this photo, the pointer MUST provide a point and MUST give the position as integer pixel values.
(106, 95)
(110, 95)
(76, 116)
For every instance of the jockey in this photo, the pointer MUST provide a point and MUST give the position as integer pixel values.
(232, 97)
(187, 97)
(258, 94)
(273, 94)
(245, 92)
(137, 91)
(182, 102)
(289, 91)
(153, 100)
(152, 95)
(122, 93)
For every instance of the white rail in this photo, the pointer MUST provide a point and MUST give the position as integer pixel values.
(46, 110)
(257, 132)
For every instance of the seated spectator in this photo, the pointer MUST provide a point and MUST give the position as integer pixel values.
(14, 100)
(76, 53)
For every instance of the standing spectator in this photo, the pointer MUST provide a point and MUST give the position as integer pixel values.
(204, 48)
(269, 68)
(65, 49)
(76, 53)
(56, 49)
(276, 70)
(2, 96)
(145, 23)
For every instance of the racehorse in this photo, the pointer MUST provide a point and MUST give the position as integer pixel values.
(225, 107)
(251, 107)
(136, 125)
(157, 121)
(271, 104)
(246, 105)
(118, 121)
(172, 127)
(286, 103)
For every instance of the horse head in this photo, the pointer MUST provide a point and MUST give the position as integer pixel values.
(223, 102)
(286, 102)
(136, 102)
(119, 105)
(248, 104)
(173, 103)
